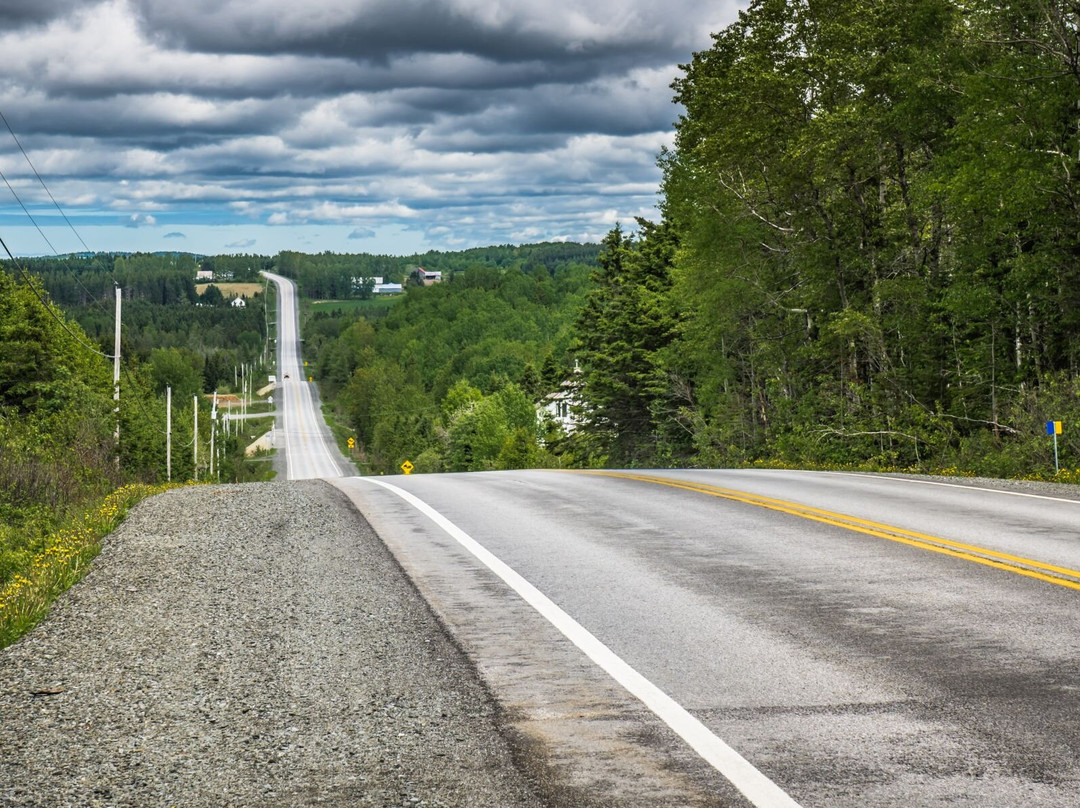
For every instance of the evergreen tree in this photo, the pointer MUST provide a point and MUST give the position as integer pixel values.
(622, 329)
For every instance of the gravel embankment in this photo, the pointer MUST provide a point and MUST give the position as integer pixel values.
(247, 646)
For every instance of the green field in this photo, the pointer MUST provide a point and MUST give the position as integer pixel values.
(374, 307)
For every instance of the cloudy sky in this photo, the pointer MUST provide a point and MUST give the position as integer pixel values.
(387, 126)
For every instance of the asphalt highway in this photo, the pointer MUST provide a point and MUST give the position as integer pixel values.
(850, 640)
(734, 638)
(303, 437)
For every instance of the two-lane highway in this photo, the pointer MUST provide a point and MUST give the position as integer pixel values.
(308, 449)
(733, 638)
(857, 640)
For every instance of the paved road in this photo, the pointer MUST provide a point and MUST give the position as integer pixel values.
(858, 640)
(733, 638)
(303, 436)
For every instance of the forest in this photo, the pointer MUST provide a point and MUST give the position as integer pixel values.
(450, 375)
(868, 251)
(866, 256)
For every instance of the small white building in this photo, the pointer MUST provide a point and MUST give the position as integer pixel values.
(204, 275)
(564, 406)
(358, 282)
(238, 303)
(388, 289)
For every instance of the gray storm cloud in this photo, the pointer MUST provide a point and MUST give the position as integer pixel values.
(437, 116)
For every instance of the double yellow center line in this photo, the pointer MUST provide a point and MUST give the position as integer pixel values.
(1061, 576)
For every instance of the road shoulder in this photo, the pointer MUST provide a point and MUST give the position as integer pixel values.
(247, 645)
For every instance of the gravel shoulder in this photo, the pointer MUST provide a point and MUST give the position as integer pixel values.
(247, 645)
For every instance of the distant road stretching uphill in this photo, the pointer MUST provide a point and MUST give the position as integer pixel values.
(309, 452)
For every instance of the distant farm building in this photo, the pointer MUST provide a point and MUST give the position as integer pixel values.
(425, 278)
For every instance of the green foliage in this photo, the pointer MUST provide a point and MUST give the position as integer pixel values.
(623, 329)
(876, 219)
(57, 420)
(448, 377)
(213, 296)
(177, 368)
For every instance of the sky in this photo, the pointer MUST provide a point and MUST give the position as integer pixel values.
(377, 126)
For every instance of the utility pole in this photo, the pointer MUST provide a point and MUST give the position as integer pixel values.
(168, 433)
(195, 441)
(116, 376)
(213, 427)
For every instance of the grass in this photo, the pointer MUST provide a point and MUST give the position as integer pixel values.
(238, 289)
(66, 557)
(340, 430)
(373, 307)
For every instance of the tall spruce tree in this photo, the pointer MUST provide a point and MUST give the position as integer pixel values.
(622, 329)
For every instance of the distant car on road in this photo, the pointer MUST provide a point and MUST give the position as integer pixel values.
(286, 375)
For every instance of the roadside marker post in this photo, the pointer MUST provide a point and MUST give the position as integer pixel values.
(1054, 428)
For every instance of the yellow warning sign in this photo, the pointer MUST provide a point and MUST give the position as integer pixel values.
(352, 442)
(407, 467)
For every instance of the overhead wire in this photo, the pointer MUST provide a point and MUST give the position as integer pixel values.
(42, 181)
(27, 212)
(49, 308)
(26, 275)
(14, 193)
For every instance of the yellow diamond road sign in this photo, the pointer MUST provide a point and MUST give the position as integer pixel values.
(407, 467)
(352, 442)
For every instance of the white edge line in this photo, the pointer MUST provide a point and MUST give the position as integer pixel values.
(955, 485)
(755, 786)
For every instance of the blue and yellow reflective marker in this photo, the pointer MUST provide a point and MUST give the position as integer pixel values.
(1054, 428)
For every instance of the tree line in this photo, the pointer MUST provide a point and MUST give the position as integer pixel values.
(869, 250)
(450, 376)
(57, 418)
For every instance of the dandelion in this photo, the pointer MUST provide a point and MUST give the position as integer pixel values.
(25, 599)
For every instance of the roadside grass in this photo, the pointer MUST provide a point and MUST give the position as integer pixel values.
(342, 432)
(1064, 475)
(66, 555)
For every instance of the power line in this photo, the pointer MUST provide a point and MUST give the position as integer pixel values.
(43, 185)
(89, 294)
(30, 163)
(48, 308)
(28, 214)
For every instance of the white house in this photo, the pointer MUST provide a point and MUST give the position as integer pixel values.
(388, 289)
(238, 303)
(564, 406)
(204, 274)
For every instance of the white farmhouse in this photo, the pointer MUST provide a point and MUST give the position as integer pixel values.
(564, 405)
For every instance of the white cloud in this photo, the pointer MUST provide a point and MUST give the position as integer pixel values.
(453, 121)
